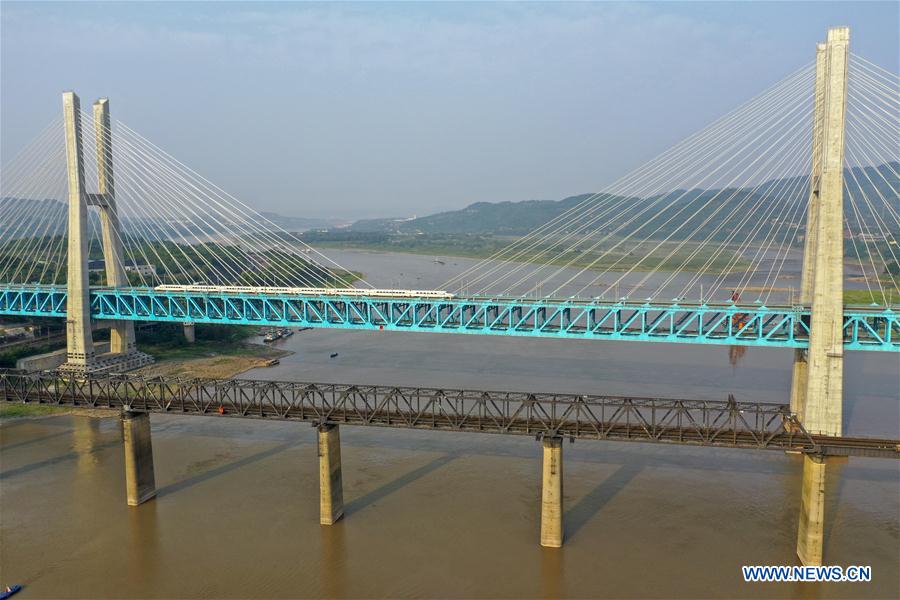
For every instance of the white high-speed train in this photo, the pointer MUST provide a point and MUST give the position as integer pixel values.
(306, 291)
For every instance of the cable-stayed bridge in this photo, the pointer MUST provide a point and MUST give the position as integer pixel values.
(703, 244)
(749, 232)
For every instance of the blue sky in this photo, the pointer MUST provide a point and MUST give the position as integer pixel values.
(365, 110)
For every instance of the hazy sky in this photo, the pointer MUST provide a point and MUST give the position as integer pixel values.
(365, 110)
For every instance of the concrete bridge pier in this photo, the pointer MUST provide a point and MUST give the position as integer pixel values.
(811, 530)
(552, 494)
(190, 333)
(140, 483)
(331, 491)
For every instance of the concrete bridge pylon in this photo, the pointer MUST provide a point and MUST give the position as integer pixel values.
(80, 354)
(817, 388)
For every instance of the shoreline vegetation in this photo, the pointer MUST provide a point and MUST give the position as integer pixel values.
(175, 263)
(865, 297)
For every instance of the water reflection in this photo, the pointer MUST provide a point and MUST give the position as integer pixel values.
(143, 544)
(735, 353)
(333, 563)
(86, 439)
(552, 572)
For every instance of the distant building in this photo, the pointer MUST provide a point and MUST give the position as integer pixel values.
(870, 237)
(141, 269)
(95, 266)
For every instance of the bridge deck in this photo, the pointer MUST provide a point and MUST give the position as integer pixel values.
(725, 423)
(727, 324)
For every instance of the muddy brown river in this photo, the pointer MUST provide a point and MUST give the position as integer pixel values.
(449, 515)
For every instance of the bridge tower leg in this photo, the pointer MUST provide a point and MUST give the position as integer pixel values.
(822, 410)
(801, 373)
(552, 494)
(79, 342)
(80, 355)
(140, 482)
(121, 336)
(331, 491)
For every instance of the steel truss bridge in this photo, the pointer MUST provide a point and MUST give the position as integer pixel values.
(729, 324)
(723, 423)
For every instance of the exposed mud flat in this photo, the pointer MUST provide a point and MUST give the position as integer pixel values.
(224, 366)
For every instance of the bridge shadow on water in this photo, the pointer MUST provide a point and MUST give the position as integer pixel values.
(8, 447)
(397, 484)
(593, 502)
(73, 455)
(226, 468)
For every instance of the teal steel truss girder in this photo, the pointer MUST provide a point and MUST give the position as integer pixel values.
(728, 324)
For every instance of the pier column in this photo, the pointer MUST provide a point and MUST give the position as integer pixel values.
(331, 492)
(190, 333)
(140, 483)
(552, 494)
(812, 511)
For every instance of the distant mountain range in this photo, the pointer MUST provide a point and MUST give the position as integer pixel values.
(519, 218)
(44, 217)
(501, 218)
(299, 223)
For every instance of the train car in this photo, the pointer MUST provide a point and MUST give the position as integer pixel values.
(306, 291)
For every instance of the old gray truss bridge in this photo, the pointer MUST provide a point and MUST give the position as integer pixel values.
(549, 417)
(719, 423)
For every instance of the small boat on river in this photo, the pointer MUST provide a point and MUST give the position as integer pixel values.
(9, 591)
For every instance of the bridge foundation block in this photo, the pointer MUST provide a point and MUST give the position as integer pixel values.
(331, 491)
(810, 533)
(140, 482)
(190, 333)
(552, 494)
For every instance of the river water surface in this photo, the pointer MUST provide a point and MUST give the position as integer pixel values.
(442, 514)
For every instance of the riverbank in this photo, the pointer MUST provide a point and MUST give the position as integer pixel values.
(213, 361)
(218, 351)
(202, 359)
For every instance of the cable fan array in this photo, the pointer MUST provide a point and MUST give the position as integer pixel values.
(872, 178)
(721, 215)
(176, 226)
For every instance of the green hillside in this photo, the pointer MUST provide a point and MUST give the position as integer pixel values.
(519, 218)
